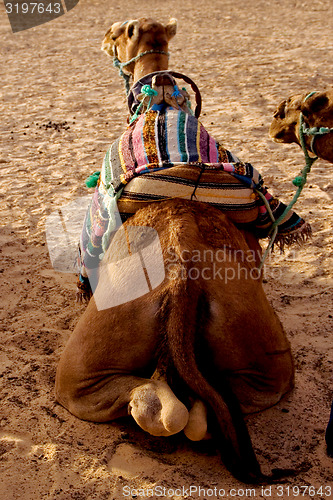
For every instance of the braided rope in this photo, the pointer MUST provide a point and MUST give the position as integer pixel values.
(148, 91)
(314, 131)
(301, 179)
(299, 182)
(121, 65)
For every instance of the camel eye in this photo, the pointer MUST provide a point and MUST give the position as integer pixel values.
(305, 112)
(280, 112)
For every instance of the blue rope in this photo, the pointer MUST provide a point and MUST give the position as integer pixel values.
(299, 182)
(314, 131)
(176, 93)
(120, 65)
(148, 91)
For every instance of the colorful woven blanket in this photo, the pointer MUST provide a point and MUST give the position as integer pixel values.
(160, 138)
(167, 153)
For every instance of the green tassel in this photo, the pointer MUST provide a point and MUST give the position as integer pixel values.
(91, 181)
(299, 181)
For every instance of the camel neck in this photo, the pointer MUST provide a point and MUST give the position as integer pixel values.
(150, 63)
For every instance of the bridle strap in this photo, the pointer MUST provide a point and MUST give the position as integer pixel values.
(121, 65)
(134, 59)
(312, 132)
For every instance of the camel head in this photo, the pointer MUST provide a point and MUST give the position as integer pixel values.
(130, 39)
(286, 120)
(317, 111)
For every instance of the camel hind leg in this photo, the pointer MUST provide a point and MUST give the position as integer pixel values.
(156, 409)
(151, 403)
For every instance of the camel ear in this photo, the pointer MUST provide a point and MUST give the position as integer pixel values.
(314, 104)
(280, 111)
(116, 30)
(132, 29)
(110, 36)
(294, 102)
(171, 28)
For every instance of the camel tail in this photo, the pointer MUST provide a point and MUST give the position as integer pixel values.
(229, 428)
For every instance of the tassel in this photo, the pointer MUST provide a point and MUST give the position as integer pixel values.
(91, 181)
(298, 237)
(83, 290)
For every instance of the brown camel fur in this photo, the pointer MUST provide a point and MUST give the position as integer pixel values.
(220, 322)
(127, 40)
(193, 352)
(317, 111)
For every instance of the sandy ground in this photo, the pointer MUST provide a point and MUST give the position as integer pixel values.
(246, 57)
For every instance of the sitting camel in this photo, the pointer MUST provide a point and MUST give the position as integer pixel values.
(202, 347)
(186, 354)
(317, 111)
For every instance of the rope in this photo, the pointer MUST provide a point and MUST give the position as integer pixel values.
(314, 131)
(273, 230)
(120, 65)
(202, 169)
(148, 91)
(299, 182)
(301, 179)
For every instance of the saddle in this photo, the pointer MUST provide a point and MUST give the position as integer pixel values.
(165, 153)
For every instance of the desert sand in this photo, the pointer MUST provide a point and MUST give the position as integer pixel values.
(62, 104)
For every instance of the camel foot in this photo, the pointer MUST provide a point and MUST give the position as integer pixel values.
(156, 409)
(196, 428)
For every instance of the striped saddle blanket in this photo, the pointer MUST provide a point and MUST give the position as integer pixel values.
(167, 153)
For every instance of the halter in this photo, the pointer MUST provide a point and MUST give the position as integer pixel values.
(299, 181)
(121, 65)
(312, 132)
